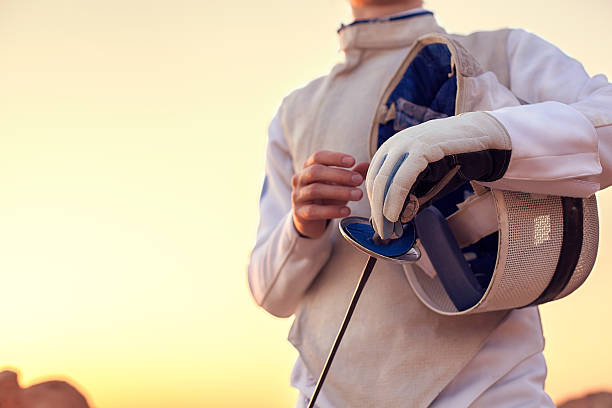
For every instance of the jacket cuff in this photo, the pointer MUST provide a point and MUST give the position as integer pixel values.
(552, 146)
(299, 261)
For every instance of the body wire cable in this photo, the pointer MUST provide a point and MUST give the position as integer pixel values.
(367, 271)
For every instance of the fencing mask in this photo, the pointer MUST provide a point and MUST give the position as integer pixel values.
(481, 249)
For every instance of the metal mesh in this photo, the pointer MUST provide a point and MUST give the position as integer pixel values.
(533, 235)
(590, 241)
(431, 291)
(530, 239)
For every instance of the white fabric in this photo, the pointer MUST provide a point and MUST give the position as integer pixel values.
(575, 142)
(283, 264)
(398, 162)
(488, 381)
(518, 383)
(520, 330)
(563, 138)
(475, 219)
(484, 92)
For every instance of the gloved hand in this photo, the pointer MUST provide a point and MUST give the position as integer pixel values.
(422, 163)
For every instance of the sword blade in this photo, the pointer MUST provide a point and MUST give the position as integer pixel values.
(367, 271)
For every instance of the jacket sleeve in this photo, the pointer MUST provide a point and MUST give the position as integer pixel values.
(282, 264)
(562, 135)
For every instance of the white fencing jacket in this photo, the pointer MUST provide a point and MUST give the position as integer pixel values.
(562, 145)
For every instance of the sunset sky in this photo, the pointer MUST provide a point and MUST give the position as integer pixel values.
(132, 136)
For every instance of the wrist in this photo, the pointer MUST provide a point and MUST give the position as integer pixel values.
(310, 229)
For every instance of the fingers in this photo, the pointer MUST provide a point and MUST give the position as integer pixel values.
(325, 174)
(332, 202)
(394, 202)
(390, 188)
(374, 169)
(321, 191)
(401, 184)
(362, 169)
(378, 184)
(400, 189)
(314, 212)
(329, 158)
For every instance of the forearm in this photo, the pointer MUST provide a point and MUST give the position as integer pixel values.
(554, 151)
(562, 139)
(282, 263)
(283, 267)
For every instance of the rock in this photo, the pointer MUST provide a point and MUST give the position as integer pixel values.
(595, 400)
(48, 394)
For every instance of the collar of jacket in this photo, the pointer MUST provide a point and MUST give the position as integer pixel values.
(387, 33)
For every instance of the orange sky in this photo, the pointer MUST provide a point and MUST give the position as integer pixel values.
(132, 136)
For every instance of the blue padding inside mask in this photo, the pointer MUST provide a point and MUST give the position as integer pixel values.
(363, 233)
(482, 254)
(425, 92)
(454, 273)
(484, 258)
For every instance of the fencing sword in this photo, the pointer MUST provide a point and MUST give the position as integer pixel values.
(399, 249)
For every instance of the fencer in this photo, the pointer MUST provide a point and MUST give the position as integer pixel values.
(536, 123)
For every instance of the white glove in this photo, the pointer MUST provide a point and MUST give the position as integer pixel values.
(424, 162)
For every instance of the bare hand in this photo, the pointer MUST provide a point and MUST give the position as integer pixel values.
(322, 189)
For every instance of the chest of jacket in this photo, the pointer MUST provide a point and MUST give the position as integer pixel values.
(401, 351)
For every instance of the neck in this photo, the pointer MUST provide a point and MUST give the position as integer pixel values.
(364, 9)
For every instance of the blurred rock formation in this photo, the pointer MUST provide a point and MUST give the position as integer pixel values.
(48, 394)
(594, 400)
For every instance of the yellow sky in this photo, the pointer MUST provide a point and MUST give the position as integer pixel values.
(131, 154)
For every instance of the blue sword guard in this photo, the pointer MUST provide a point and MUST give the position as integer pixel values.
(359, 232)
